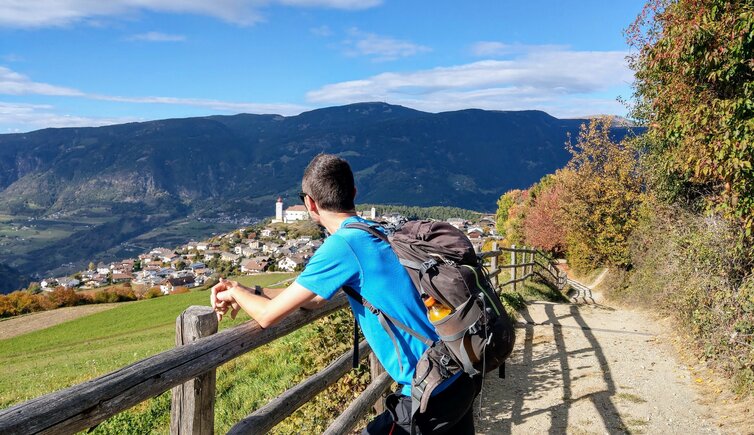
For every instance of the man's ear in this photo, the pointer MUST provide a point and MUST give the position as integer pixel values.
(312, 205)
(354, 192)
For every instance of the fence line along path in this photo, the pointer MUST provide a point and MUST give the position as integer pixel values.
(189, 370)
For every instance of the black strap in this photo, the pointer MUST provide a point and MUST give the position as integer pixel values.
(377, 312)
(371, 229)
(355, 361)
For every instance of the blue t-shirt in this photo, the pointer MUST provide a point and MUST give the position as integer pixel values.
(352, 257)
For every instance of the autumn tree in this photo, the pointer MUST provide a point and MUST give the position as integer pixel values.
(63, 297)
(510, 215)
(544, 223)
(504, 204)
(602, 189)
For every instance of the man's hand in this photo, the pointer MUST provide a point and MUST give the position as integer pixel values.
(222, 299)
(266, 309)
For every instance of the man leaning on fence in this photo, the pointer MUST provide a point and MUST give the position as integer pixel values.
(354, 258)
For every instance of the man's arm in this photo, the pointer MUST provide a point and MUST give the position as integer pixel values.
(267, 309)
(271, 293)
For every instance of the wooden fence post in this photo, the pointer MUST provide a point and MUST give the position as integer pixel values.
(513, 266)
(192, 407)
(375, 370)
(531, 260)
(493, 266)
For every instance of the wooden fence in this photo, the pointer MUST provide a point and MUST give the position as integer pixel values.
(189, 370)
(524, 263)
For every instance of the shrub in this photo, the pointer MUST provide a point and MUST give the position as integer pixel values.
(153, 292)
(179, 290)
(687, 266)
(694, 90)
(63, 297)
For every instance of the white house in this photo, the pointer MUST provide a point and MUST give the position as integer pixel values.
(229, 256)
(291, 262)
(291, 214)
(457, 222)
(68, 282)
(253, 266)
(296, 213)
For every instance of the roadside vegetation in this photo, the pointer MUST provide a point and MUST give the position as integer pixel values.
(671, 209)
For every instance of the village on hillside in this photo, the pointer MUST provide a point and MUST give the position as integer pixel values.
(243, 251)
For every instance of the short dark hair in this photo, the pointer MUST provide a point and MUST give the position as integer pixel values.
(328, 180)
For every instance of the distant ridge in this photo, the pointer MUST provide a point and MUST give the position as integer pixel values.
(137, 176)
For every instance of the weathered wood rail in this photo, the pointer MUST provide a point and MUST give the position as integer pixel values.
(526, 261)
(189, 370)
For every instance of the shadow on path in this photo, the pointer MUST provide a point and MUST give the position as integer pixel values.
(539, 373)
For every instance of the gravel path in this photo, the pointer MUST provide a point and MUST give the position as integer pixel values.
(592, 369)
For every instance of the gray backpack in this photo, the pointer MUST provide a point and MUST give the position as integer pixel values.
(477, 336)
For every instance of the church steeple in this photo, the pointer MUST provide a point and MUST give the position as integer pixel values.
(279, 209)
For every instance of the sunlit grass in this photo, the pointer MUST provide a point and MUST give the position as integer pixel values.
(73, 352)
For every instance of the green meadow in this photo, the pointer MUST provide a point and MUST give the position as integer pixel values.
(73, 352)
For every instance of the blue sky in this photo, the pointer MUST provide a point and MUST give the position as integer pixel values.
(86, 63)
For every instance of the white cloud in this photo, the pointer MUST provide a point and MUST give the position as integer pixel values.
(156, 37)
(323, 31)
(33, 116)
(490, 48)
(13, 83)
(47, 13)
(334, 4)
(26, 117)
(558, 80)
(380, 48)
(219, 105)
(497, 49)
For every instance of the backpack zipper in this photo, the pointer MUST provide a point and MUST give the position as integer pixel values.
(476, 277)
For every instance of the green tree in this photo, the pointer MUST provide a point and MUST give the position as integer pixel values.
(504, 204)
(694, 91)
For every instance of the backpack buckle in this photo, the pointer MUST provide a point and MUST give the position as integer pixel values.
(428, 264)
(445, 360)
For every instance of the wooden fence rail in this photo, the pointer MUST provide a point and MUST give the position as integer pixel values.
(189, 370)
(528, 261)
(85, 405)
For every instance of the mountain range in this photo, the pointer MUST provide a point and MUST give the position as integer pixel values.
(131, 178)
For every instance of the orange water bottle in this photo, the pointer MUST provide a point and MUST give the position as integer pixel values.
(435, 310)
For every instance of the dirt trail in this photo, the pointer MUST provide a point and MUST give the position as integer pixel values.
(36, 321)
(592, 369)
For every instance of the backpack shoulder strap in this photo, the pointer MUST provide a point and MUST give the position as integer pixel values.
(371, 229)
(385, 321)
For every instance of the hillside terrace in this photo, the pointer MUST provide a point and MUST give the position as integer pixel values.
(191, 264)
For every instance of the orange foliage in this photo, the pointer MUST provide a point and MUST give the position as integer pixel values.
(543, 224)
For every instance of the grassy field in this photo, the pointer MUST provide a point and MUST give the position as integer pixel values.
(73, 352)
(51, 359)
(18, 235)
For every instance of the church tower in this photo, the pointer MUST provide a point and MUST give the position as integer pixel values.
(279, 210)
